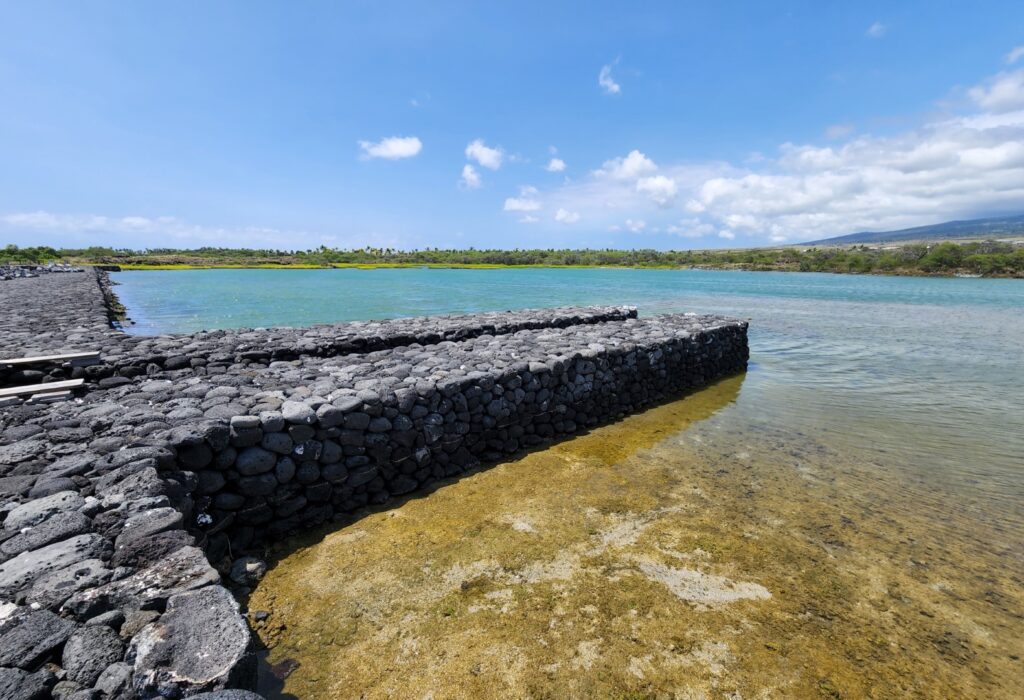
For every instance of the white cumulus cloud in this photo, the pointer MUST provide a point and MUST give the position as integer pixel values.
(1001, 93)
(607, 82)
(636, 226)
(391, 148)
(630, 167)
(555, 165)
(661, 189)
(486, 156)
(957, 166)
(564, 216)
(526, 201)
(470, 179)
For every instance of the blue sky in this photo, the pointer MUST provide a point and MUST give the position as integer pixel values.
(408, 125)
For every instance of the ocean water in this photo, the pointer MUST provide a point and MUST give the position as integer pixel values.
(863, 482)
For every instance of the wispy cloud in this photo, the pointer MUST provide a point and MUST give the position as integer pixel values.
(606, 81)
(838, 131)
(877, 30)
(1014, 55)
(83, 230)
(525, 202)
(470, 179)
(564, 216)
(391, 148)
(484, 155)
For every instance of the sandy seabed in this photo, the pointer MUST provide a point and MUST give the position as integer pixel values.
(673, 554)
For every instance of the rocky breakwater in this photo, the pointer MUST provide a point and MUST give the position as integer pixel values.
(44, 315)
(126, 514)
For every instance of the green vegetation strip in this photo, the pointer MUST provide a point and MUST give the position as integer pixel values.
(985, 258)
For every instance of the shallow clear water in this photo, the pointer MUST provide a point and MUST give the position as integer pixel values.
(867, 472)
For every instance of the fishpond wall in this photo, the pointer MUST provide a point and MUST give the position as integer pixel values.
(127, 511)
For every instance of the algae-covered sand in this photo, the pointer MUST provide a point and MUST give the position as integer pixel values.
(662, 556)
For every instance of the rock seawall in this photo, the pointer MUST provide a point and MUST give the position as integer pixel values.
(122, 509)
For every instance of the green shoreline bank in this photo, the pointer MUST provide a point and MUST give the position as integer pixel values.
(979, 258)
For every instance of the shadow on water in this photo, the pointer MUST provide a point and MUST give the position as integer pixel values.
(606, 444)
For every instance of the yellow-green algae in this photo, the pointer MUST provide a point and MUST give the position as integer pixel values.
(652, 558)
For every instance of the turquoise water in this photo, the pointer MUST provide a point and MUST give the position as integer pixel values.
(920, 375)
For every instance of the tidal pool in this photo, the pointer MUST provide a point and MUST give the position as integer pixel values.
(845, 520)
(671, 554)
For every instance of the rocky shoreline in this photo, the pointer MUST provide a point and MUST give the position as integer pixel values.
(127, 511)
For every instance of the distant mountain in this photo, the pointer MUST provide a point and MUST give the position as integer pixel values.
(995, 227)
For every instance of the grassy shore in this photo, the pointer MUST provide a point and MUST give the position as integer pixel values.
(985, 258)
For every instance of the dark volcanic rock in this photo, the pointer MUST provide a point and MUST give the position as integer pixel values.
(52, 590)
(89, 651)
(54, 529)
(28, 636)
(145, 551)
(183, 570)
(200, 643)
(16, 684)
(26, 568)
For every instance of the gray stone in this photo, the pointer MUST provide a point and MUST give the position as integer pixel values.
(51, 486)
(16, 684)
(261, 485)
(334, 473)
(16, 485)
(298, 413)
(116, 681)
(113, 619)
(379, 425)
(200, 643)
(36, 511)
(272, 421)
(59, 526)
(285, 470)
(247, 571)
(149, 522)
(89, 651)
(183, 570)
(228, 694)
(52, 590)
(330, 416)
(245, 422)
(357, 421)
(281, 443)
(361, 475)
(26, 568)
(143, 552)
(255, 460)
(64, 690)
(210, 482)
(28, 636)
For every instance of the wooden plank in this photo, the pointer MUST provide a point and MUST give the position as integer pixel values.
(41, 388)
(50, 396)
(72, 357)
